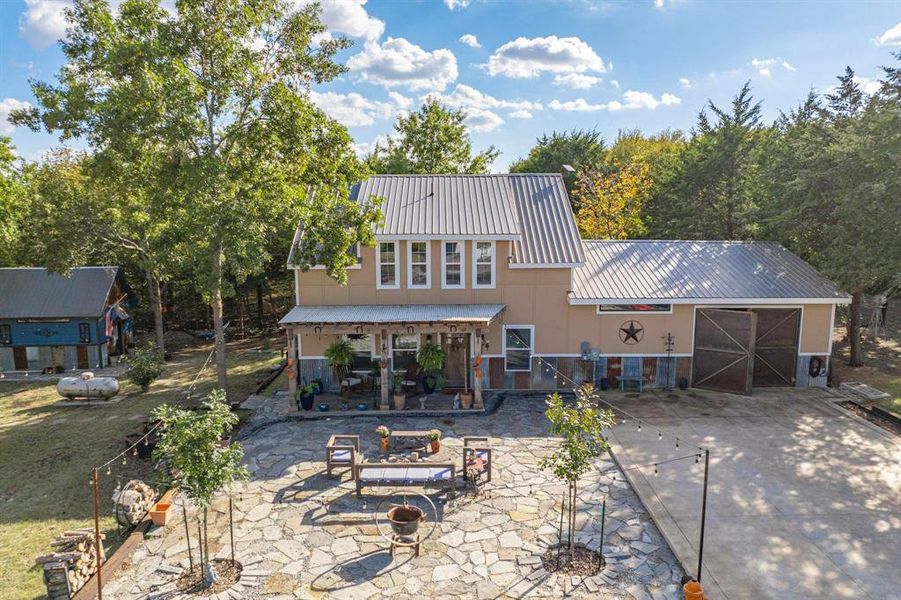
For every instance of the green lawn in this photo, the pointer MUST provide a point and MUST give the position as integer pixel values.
(46, 453)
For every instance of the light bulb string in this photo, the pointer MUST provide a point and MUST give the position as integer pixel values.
(613, 407)
(612, 472)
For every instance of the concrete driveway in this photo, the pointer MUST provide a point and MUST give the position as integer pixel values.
(804, 500)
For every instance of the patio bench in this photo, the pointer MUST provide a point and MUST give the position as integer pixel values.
(476, 458)
(341, 451)
(624, 379)
(423, 474)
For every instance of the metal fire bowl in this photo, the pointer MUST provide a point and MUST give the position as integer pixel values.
(392, 535)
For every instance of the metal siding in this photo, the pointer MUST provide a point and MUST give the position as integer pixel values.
(393, 313)
(549, 233)
(29, 293)
(671, 270)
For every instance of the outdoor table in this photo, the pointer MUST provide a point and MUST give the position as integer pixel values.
(403, 438)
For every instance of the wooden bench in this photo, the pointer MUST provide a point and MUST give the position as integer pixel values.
(423, 474)
(341, 451)
(476, 458)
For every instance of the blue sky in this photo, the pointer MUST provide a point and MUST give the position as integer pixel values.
(524, 68)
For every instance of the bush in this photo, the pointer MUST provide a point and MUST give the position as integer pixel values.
(145, 365)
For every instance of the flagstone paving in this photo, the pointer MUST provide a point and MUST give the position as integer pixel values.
(301, 534)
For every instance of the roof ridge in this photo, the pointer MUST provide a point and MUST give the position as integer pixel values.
(733, 242)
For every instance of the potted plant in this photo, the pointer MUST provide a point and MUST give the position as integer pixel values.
(384, 432)
(435, 440)
(340, 357)
(305, 397)
(400, 398)
(431, 360)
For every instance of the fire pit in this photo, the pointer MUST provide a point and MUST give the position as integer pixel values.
(405, 518)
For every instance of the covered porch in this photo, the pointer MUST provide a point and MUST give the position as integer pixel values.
(385, 340)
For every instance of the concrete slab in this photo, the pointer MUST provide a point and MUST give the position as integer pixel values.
(804, 499)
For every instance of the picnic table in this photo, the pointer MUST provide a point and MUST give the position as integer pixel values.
(404, 439)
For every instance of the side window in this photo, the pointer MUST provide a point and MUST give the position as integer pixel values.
(483, 265)
(452, 264)
(403, 350)
(6, 335)
(387, 267)
(519, 343)
(419, 265)
(84, 333)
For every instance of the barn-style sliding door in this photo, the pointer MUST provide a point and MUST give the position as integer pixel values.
(724, 350)
(776, 346)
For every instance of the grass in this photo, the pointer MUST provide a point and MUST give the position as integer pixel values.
(47, 452)
(881, 362)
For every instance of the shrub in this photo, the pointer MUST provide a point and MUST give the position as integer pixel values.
(145, 365)
(431, 357)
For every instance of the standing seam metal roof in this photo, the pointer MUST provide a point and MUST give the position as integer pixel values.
(549, 232)
(35, 293)
(677, 270)
(393, 313)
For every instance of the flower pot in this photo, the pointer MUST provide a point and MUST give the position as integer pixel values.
(436, 446)
(306, 401)
(429, 382)
(385, 444)
(400, 401)
(159, 514)
(466, 400)
(323, 407)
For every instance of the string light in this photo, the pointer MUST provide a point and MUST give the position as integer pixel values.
(108, 470)
(124, 461)
(655, 469)
(677, 443)
(659, 436)
(639, 426)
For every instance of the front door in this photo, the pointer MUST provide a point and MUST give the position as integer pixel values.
(724, 350)
(20, 358)
(456, 346)
(81, 356)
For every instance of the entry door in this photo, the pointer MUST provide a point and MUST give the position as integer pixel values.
(20, 358)
(776, 346)
(456, 345)
(81, 356)
(724, 350)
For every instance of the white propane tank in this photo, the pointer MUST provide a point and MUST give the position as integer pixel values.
(88, 386)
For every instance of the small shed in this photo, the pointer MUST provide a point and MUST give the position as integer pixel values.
(52, 323)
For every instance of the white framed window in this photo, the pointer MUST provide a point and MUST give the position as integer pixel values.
(483, 264)
(404, 347)
(519, 345)
(386, 273)
(419, 265)
(452, 271)
(634, 308)
(362, 351)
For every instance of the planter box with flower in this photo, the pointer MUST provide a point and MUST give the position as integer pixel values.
(384, 435)
(435, 440)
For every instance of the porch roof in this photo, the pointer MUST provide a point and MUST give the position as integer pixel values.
(393, 313)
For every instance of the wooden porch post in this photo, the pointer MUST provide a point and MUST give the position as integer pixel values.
(292, 361)
(383, 364)
(477, 373)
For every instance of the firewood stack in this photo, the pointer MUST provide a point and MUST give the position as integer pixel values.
(72, 563)
(132, 502)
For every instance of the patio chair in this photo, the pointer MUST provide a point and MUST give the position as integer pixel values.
(342, 451)
(476, 459)
(351, 383)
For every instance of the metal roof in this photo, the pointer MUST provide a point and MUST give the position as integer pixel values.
(393, 313)
(696, 270)
(35, 293)
(549, 232)
(442, 205)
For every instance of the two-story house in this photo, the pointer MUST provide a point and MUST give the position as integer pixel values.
(493, 269)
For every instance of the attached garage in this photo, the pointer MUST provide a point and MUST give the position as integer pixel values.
(759, 316)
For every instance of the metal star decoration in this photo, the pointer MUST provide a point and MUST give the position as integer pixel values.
(631, 332)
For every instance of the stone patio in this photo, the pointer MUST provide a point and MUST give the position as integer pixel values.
(301, 534)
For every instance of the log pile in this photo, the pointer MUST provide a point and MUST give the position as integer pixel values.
(132, 502)
(71, 564)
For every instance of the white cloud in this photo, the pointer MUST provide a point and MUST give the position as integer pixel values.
(364, 148)
(658, 3)
(577, 81)
(470, 40)
(456, 4)
(867, 85)
(891, 37)
(521, 114)
(353, 110)
(43, 22)
(399, 63)
(763, 65)
(482, 120)
(467, 97)
(614, 83)
(525, 58)
(685, 82)
(632, 100)
(7, 105)
(348, 16)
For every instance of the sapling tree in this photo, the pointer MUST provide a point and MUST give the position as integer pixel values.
(191, 443)
(581, 425)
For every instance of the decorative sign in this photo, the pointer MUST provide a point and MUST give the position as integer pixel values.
(46, 332)
(631, 332)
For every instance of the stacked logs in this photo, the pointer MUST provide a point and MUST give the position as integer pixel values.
(132, 502)
(72, 563)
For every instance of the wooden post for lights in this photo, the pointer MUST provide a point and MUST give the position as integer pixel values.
(703, 512)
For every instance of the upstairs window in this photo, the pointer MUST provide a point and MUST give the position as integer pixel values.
(483, 265)
(519, 343)
(419, 265)
(387, 267)
(84, 333)
(6, 335)
(452, 265)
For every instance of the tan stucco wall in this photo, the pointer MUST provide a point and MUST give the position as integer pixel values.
(602, 331)
(816, 328)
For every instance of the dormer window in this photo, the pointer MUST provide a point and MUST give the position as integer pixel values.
(387, 266)
(452, 265)
(483, 265)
